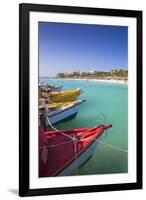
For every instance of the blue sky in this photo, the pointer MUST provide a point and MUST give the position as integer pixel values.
(77, 47)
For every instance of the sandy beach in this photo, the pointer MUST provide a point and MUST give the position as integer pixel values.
(98, 80)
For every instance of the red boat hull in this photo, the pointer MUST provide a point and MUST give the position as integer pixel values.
(57, 151)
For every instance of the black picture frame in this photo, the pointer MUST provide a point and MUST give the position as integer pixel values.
(24, 10)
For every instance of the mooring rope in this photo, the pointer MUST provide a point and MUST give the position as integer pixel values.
(57, 129)
(75, 151)
(109, 145)
(97, 140)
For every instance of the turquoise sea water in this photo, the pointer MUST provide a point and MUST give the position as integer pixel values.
(112, 101)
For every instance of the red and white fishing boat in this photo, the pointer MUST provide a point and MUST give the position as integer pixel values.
(62, 152)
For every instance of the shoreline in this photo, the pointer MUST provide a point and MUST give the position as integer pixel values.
(112, 81)
(123, 82)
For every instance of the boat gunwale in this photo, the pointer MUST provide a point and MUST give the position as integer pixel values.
(67, 108)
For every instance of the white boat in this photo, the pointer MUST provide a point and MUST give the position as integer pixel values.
(65, 113)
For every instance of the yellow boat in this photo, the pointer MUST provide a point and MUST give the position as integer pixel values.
(66, 96)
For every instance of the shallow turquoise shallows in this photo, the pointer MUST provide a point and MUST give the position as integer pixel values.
(106, 103)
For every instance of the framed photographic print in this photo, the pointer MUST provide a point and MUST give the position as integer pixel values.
(80, 99)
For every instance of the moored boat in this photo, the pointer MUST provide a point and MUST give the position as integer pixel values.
(45, 88)
(62, 111)
(62, 152)
(64, 96)
(55, 89)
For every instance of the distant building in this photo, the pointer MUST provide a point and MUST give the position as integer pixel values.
(92, 72)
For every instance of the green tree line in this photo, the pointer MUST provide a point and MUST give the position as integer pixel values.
(95, 74)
